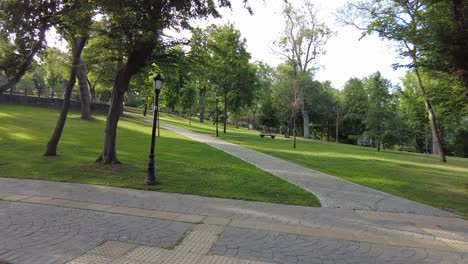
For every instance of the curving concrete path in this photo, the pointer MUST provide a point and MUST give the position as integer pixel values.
(331, 191)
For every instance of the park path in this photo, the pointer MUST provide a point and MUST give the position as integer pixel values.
(54, 222)
(331, 191)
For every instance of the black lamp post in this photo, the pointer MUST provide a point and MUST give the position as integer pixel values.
(157, 83)
(217, 113)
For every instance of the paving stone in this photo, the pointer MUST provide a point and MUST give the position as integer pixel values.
(55, 201)
(113, 248)
(92, 259)
(289, 248)
(216, 221)
(15, 197)
(61, 234)
(164, 215)
(148, 254)
(35, 199)
(183, 258)
(98, 207)
(129, 261)
(45, 231)
(189, 218)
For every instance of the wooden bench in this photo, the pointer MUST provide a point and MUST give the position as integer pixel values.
(263, 134)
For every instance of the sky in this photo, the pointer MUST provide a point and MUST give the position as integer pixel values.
(346, 56)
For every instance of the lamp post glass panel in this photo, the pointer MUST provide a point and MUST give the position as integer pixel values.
(157, 83)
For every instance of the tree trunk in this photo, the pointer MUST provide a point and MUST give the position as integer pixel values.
(431, 114)
(136, 61)
(145, 111)
(190, 116)
(305, 115)
(84, 91)
(294, 131)
(25, 65)
(92, 89)
(378, 145)
(225, 112)
(78, 45)
(202, 104)
(337, 134)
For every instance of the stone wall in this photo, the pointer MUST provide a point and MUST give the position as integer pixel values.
(49, 102)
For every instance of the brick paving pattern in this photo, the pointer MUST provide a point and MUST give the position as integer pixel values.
(295, 249)
(36, 234)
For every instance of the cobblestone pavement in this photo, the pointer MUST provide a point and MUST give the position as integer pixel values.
(192, 250)
(296, 249)
(36, 234)
(331, 191)
(53, 222)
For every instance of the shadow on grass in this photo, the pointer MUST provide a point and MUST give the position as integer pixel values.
(182, 165)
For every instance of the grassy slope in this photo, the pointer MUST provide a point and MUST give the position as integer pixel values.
(183, 165)
(418, 177)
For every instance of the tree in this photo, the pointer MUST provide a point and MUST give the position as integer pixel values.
(414, 113)
(339, 114)
(355, 108)
(268, 113)
(141, 25)
(189, 98)
(399, 21)
(199, 59)
(73, 24)
(445, 46)
(23, 26)
(378, 107)
(57, 64)
(231, 74)
(265, 76)
(302, 40)
(84, 91)
(101, 55)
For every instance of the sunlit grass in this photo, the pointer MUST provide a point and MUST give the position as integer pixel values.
(414, 176)
(182, 165)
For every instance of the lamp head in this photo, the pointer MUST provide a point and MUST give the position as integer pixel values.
(158, 82)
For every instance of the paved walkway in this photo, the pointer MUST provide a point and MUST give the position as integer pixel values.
(331, 191)
(53, 222)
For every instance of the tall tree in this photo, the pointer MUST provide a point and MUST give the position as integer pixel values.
(189, 98)
(23, 27)
(57, 65)
(230, 72)
(399, 21)
(83, 85)
(355, 109)
(445, 46)
(73, 24)
(378, 107)
(302, 40)
(141, 24)
(199, 59)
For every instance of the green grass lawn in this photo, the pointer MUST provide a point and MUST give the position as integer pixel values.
(183, 165)
(414, 176)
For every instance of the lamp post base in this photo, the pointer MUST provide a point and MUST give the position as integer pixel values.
(151, 179)
(151, 182)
